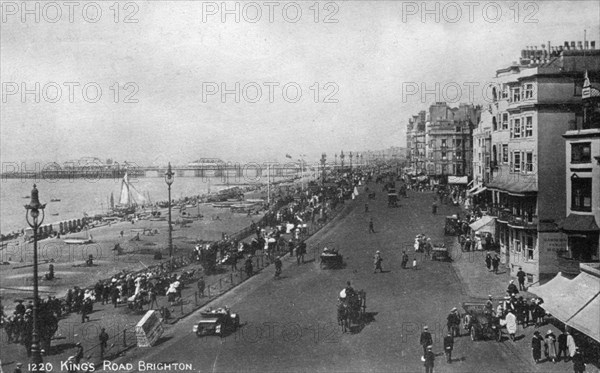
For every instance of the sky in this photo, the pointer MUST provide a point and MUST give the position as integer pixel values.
(349, 68)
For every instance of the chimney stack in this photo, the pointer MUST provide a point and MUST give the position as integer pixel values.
(580, 45)
(593, 44)
(566, 45)
(573, 45)
(586, 45)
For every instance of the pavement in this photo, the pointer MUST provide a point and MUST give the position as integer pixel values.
(289, 324)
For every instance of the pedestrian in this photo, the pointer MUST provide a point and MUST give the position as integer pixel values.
(79, 353)
(448, 347)
(578, 364)
(536, 346)
(377, 259)
(404, 259)
(429, 359)
(152, 295)
(415, 263)
(114, 295)
(571, 345)
(488, 261)
(562, 346)
(300, 252)
(512, 288)
(453, 323)
(366, 207)
(201, 286)
(103, 337)
(495, 263)
(291, 247)
(434, 207)
(234, 259)
(550, 346)
(371, 229)
(511, 324)
(425, 339)
(521, 276)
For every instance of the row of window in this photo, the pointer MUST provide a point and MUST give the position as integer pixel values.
(519, 242)
(581, 194)
(514, 94)
(521, 161)
(521, 127)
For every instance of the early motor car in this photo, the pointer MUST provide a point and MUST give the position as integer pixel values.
(218, 321)
(479, 323)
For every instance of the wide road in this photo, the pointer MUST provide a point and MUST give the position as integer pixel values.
(289, 324)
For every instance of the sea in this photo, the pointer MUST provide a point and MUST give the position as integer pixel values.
(79, 196)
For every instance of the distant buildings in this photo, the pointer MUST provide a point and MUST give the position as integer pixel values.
(439, 143)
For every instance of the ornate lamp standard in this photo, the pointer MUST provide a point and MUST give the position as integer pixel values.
(169, 177)
(342, 158)
(33, 208)
(350, 161)
(323, 160)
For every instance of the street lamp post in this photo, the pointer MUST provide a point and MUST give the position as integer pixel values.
(33, 208)
(350, 161)
(323, 160)
(342, 156)
(169, 176)
(335, 162)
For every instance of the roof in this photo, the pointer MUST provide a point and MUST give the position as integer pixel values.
(574, 302)
(514, 183)
(580, 223)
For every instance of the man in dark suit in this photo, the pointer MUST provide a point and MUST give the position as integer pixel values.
(448, 346)
(521, 277)
(429, 357)
(426, 339)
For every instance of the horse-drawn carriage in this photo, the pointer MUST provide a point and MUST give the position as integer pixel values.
(481, 324)
(331, 258)
(351, 310)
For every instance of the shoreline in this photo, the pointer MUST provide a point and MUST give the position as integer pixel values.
(250, 188)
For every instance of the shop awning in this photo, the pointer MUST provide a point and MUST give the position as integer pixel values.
(580, 223)
(514, 183)
(588, 320)
(458, 179)
(485, 224)
(574, 302)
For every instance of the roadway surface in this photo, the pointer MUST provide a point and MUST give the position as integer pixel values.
(289, 324)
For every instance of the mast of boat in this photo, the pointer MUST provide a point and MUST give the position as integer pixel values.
(269, 183)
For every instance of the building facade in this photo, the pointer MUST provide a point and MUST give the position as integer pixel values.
(582, 181)
(482, 151)
(415, 143)
(533, 102)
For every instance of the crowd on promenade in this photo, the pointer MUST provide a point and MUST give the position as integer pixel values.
(290, 211)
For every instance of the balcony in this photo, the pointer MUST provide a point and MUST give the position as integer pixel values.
(523, 222)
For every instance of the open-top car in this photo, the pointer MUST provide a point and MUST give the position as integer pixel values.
(479, 323)
(218, 321)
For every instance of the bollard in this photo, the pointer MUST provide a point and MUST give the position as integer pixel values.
(124, 339)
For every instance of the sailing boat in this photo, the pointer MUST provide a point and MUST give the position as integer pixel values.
(130, 198)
